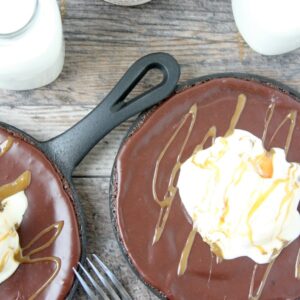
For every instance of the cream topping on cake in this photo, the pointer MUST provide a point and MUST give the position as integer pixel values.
(11, 214)
(241, 198)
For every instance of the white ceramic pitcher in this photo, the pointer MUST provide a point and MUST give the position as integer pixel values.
(270, 27)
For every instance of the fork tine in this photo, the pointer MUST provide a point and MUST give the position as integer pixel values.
(94, 283)
(113, 278)
(86, 288)
(104, 281)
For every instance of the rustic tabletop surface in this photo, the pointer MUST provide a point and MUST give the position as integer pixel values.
(102, 40)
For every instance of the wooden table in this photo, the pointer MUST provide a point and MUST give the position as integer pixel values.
(102, 40)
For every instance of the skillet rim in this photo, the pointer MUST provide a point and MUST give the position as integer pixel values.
(142, 117)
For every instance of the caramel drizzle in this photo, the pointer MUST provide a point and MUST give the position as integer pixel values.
(26, 259)
(4, 260)
(257, 294)
(288, 193)
(297, 266)
(6, 145)
(20, 184)
(260, 200)
(235, 181)
(210, 269)
(186, 252)
(7, 190)
(268, 118)
(211, 133)
(166, 203)
(241, 102)
(291, 117)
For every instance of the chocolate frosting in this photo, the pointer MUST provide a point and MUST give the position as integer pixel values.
(137, 212)
(48, 203)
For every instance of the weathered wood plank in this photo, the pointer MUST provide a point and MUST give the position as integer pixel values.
(94, 196)
(102, 40)
(45, 122)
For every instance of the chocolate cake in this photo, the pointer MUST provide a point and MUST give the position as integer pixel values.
(136, 213)
(50, 218)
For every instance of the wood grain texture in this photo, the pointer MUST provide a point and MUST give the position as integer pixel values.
(57, 119)
(101, 240)
(102, 41)
(128, 2)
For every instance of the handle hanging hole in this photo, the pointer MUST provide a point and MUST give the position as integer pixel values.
(152, 78)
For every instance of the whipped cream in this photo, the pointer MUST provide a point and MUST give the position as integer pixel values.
(11, 215)
(241, 198)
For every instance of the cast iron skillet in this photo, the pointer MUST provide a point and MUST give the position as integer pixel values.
(143, 116)
(67, 150)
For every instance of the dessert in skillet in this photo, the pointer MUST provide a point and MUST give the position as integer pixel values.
(13, 204)
(214, 174)
(35, 213)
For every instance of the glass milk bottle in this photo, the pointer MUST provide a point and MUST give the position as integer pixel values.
(31, 43)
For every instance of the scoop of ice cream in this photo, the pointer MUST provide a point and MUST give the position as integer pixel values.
(241, 198)
(12, 210)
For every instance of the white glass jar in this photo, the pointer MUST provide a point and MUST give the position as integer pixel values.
(31, 43)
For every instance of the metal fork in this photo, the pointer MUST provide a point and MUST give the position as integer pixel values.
(111, 286)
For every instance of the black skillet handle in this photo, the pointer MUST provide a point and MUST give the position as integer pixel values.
(69, 148)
